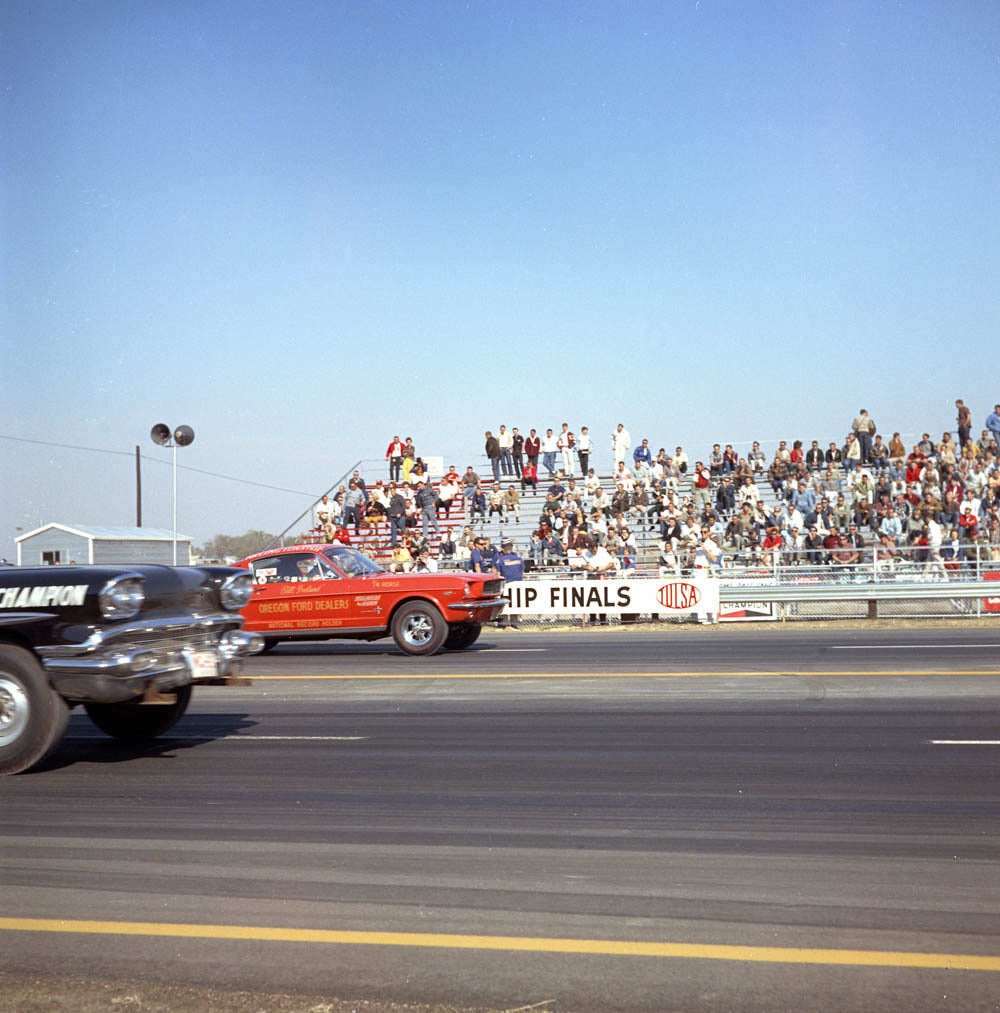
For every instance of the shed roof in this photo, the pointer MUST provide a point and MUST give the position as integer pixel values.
(109, 533)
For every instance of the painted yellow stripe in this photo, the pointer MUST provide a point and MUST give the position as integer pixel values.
(603, 947)
(620, 675)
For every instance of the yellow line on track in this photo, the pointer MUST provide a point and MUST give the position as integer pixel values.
(621, 675)
(603, 947)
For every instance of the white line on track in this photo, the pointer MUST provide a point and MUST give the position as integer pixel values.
(963, 742)
(517, 650)
(903, 647)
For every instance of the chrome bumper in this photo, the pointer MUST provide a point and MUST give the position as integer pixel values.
(123, 662)
(471, 606)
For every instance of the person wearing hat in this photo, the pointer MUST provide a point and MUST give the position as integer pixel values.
(510, 566)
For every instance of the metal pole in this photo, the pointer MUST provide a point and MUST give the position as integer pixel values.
(175, 503)
(138, 489)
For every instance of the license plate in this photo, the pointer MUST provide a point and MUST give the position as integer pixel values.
(204, 665)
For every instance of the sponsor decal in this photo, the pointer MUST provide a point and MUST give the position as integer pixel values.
(576, 596)
(680, 596)
(991, 604)
(44, 596)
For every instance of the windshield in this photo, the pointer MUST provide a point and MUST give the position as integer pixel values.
(350, 561)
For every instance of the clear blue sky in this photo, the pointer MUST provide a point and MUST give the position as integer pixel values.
(303, 227)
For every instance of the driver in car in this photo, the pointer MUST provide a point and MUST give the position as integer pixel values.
(309, 569)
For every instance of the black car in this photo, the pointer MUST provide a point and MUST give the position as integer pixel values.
(126, 642)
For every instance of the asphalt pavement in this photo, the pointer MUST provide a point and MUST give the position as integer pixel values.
(589, 821)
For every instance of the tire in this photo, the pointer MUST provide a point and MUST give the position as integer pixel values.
(32, 714)
(138, 722)
(461, 637)
(419, 628)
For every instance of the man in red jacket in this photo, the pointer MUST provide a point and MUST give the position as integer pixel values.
(394, 455)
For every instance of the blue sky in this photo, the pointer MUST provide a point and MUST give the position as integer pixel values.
(301, 228)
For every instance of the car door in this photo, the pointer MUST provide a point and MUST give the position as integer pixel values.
(293, 591)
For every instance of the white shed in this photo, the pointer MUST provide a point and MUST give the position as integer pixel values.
(55, 544)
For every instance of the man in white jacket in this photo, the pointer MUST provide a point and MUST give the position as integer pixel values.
(621, 443)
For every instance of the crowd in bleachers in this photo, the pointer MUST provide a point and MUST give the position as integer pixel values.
(865, 499)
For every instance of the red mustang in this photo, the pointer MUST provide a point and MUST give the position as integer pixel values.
(327, 592)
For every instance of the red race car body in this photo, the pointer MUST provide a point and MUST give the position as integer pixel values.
(326, 592)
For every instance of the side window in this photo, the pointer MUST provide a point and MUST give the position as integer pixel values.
(305, 566)
(265, 571)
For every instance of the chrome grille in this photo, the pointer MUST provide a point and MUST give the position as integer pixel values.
(491, 588)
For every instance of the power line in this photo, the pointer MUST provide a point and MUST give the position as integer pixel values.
(156, 460)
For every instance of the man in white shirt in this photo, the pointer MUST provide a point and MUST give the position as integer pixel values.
(506, 441)
(621, 443)
(598, 560)
(550, 445)
(707, 555)
(583, 450)
(565, 442)
(326, 512)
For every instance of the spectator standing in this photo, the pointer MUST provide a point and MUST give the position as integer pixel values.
(409, 457)
(394, 455)
(583, 450)
(621, 443)
(397, 514)
(354, 501)
(532, 448)
(993, 425)
(517, 451)
(565, 442)
(550, 445)
(964, 421)
(510, 566)
(493, 453)
(864, 428)
(427, 502)
(506, 441)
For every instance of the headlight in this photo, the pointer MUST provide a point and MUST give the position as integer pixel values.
(236, 591)
(122, 597)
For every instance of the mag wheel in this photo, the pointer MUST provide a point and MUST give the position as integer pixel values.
(419, 628)
(32, 715)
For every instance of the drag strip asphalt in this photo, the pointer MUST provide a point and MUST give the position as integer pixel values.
(646, 831)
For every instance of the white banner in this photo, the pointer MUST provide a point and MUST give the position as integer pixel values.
(585, 596)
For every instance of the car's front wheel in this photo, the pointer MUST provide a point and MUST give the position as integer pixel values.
(138, 722)
(419, 628)
(461, 637)
(32, 715)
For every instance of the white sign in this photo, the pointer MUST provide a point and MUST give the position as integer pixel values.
(583, 596)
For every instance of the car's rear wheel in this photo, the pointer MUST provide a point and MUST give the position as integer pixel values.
(138, 722)
(461, 637)
(419, 628)
(32, 714)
